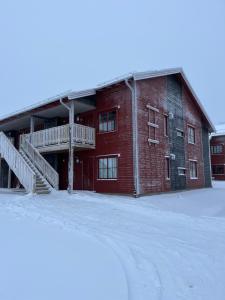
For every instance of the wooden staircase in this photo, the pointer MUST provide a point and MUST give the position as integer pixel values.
(33, 171)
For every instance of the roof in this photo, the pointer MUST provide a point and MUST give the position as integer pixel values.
(71, 95)
(220, 130)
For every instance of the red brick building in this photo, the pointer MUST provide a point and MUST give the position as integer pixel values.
(143, 133)
(217, 143)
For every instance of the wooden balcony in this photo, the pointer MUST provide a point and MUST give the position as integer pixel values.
(57, 138)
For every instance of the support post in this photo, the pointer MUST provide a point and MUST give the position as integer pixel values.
(9, 178)
(31, 124)
(71, 149)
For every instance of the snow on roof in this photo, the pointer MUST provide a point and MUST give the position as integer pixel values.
(133, 75)
(220, 130)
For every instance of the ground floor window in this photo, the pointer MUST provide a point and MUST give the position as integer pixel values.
(108, 168)
(218, 169)
(193, 169)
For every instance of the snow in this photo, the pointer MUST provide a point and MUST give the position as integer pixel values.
(90, 246)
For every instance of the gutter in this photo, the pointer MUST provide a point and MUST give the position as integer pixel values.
(135, 137)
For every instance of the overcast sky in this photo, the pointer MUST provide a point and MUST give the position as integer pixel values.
(50, 46)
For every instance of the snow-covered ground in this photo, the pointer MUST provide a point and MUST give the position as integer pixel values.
(96, 247)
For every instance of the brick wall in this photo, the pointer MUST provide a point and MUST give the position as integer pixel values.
(118, 142)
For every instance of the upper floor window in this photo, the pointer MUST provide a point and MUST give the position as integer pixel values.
(108, 168)
(191, 135)
(107, 121)
(217, 149)
(166, 125)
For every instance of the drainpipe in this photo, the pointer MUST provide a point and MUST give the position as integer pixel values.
(71, 150)
(135, 137)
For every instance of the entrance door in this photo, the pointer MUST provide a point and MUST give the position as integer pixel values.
(63, 170)
(83, 174)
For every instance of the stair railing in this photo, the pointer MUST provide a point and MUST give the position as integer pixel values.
(46, 170)
(17, 164)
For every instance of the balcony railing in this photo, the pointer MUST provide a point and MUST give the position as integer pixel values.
(80, 135)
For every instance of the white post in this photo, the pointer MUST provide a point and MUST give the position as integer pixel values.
(31, 124)
(9, 178)
(71, 149)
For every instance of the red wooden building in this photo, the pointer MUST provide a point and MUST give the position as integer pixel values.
(144, 133)
(217, 143)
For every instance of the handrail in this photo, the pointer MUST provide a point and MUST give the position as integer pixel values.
(60, 135)
(47, 171)
(17, 164)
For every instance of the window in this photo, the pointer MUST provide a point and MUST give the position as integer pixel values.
(218, 169)
(166, 125)
(217, 149)
(107, 121)
(152, 123)
(180, 133)
(193, 170)
(181, 171)
(167, 169)
(107, 167)
(191, 135)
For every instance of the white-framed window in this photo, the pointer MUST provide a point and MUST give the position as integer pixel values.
(166, 125)
(181, 171)
(152, 124)
(107, 121)
(180, 133)
(107, 168)
(218, 149)
(193, 169)
(218, 169)
(191, 135)
(167, 168)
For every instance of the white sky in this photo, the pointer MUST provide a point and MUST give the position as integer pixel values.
(48, 47)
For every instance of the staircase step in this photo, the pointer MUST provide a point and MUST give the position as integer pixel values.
(41, 186)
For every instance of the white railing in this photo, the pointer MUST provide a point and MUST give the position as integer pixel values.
(46, 170)
(60, 135)
(17, 164)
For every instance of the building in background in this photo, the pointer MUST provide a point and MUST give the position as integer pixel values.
(146, 132)
(217, 143)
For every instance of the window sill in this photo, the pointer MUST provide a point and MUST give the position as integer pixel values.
(107, 179)
(194, 178)
(190, 143)
(104, 132)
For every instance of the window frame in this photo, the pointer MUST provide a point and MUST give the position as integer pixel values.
(116, 120)
(181, 135)
(107, 158)
(217, 174)
(216, 146)
(182, 169)
(167, 168)
(189, 128)
(166, 125)
(195, 163)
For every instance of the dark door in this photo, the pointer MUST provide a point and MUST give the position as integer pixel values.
(78, 174)
(83, 174)
(63, 170)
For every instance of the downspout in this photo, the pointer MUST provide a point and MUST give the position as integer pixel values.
(135, 137)
(70, 187)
